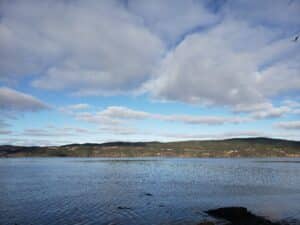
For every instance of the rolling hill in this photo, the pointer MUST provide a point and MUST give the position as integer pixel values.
(236, 147)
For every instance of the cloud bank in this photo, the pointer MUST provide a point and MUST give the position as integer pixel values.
(196, 52)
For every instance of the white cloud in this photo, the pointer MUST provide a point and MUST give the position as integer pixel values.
(4, 132)
(87, 47)
(120, 130)
(296, 111)
(13, 100)
(79, 106)
(3, 124)
(252, 107)
(292, 103)
(120, 112)
(278, 13)
(73, 108)
(233, 63)
(224, 57)
(24, 142)
(170, 19)
(262, 110)
(55, 131)
(271, 113)
(13, 103)
(97, 118)
(281, 77)
(289, 125)
(116, 115)
(19, 141)
(209, 120)
(3, 128)
(196, 72)
(37, 132)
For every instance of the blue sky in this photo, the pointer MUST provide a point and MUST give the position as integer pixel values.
(97, 71)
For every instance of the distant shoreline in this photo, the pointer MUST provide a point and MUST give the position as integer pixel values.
(230, 148)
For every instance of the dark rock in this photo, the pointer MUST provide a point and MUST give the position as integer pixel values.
(123, 207)
(206, 223)
(239, 216)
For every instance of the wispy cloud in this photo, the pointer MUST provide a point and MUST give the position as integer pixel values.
(119, 114)
(13, 100)
(289, 125)
(4, 128)
(55, 131)
(74, 108)
(263, 110)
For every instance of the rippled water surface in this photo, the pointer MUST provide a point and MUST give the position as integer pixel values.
(141, 191)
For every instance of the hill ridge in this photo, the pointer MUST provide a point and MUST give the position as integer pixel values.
(233, 147)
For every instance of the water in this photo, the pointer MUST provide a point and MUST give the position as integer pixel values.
(89, 191)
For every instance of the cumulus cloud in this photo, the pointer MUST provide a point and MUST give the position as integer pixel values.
(172, 19)
(281, 78)
(88, 47)
(13, 100)
(232, 63)
(289, 125)
(193, 51)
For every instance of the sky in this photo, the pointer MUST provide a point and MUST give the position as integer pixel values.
(76, 71)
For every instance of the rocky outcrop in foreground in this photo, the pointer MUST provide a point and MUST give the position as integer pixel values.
(241, 216)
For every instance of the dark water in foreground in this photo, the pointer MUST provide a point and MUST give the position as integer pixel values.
(88, 191)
